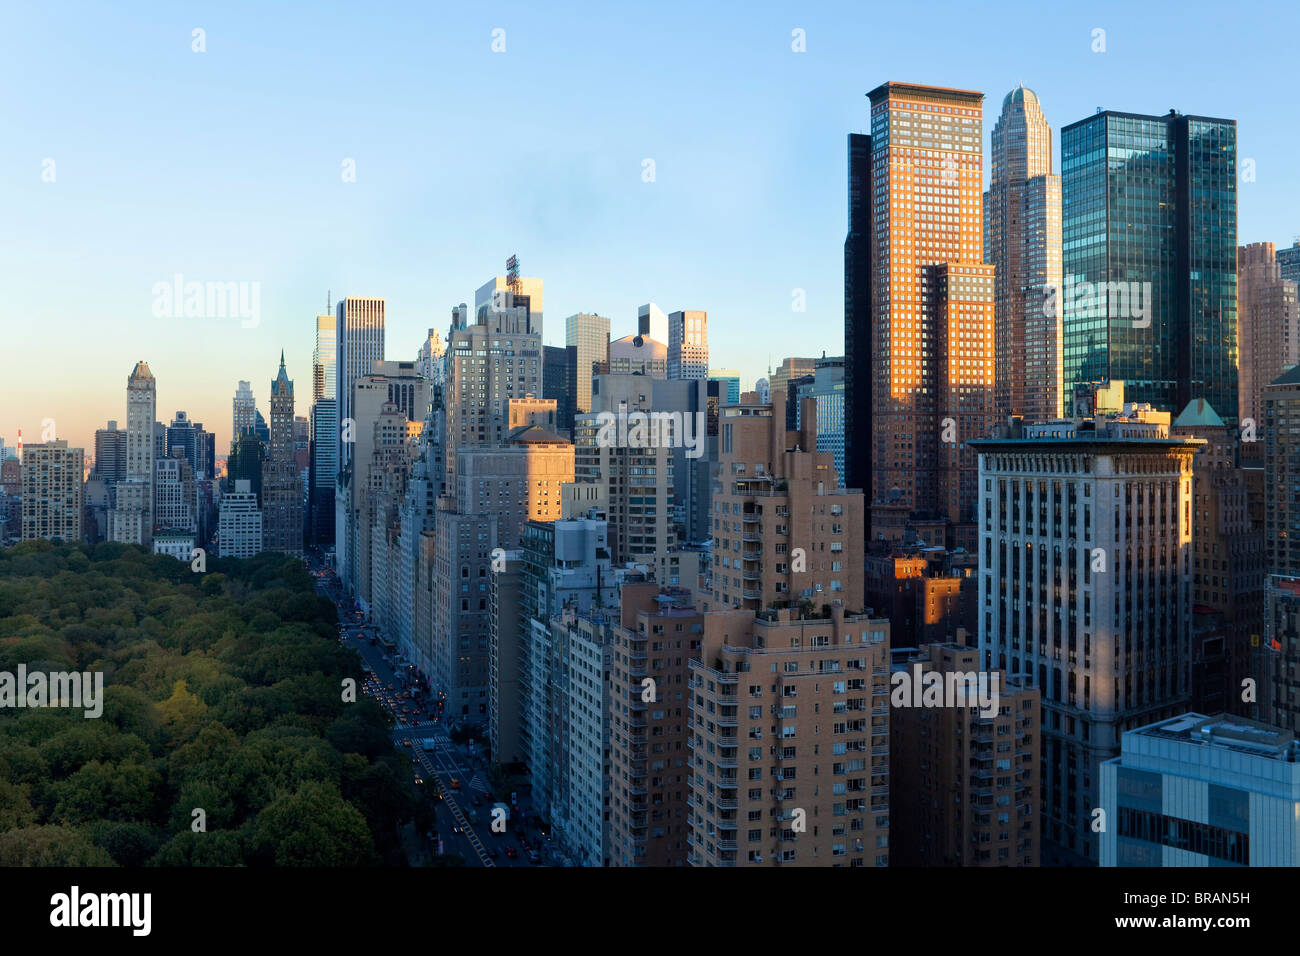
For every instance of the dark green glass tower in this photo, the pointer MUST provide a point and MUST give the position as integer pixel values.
(1149, 234)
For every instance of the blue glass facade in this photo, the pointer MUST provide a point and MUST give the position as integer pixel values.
(1149, 234)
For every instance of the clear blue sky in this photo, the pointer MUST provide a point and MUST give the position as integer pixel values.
(226, 165)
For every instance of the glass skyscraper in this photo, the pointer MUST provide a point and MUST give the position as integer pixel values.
(1149, 232)
(827, 390)
(324, 430)
(589, 334)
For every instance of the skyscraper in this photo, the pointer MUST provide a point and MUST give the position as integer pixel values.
(1022, 240)
(173, 495)
(783, 378)
(560, 383)
(1085, 591)
(52, 491)
(826, 389)
(652, 323)
(634, 469)
(282, 524)
(110, 454)
(964, 783)
(359, 344)
(589, 333)
(1288, 261)
(324, 431)
(478, 391)
(761, 682)
(524, 292)
(1281, 426)
(932, 348)
(240, 524)
(431, 362)
(1268, 326)
(730, 378)
(688, 345)
(324, 367)
(244, 414)
(784, 533)
(182, 438)
(390, 406)
(131, 520)
(500, 489)
(1228, 567)
(857, 321)
(1149, 228)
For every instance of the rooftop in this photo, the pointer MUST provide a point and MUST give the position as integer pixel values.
(1227, 732)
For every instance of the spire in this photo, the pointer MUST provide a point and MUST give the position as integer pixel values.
(282, 359)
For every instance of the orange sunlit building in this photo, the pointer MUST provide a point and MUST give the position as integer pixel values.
(931, 297)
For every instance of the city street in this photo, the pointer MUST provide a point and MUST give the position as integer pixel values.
(458, 772)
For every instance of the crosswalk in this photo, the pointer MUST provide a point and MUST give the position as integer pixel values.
(453, 807)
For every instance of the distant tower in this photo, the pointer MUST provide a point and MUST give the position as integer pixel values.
(282, 507)
(360, 343)
(324, 428)
(244, 414)
(1022, 240)
(131, 520)
(688, 345)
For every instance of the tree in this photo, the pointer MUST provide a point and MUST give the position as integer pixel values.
(50, 846)
(313, 827)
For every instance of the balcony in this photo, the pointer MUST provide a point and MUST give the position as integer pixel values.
(721, 677)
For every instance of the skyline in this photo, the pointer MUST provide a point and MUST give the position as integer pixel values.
(231, 171)
(925, 448)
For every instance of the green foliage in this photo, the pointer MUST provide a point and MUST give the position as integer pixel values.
(313, 827)
(50, 846)
(222, 693)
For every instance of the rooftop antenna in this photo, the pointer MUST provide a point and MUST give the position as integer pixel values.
(512, 274)
(329, 302)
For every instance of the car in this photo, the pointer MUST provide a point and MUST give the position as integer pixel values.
(512, 852)
(455, 783)
(419, 779)
(406, 742)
